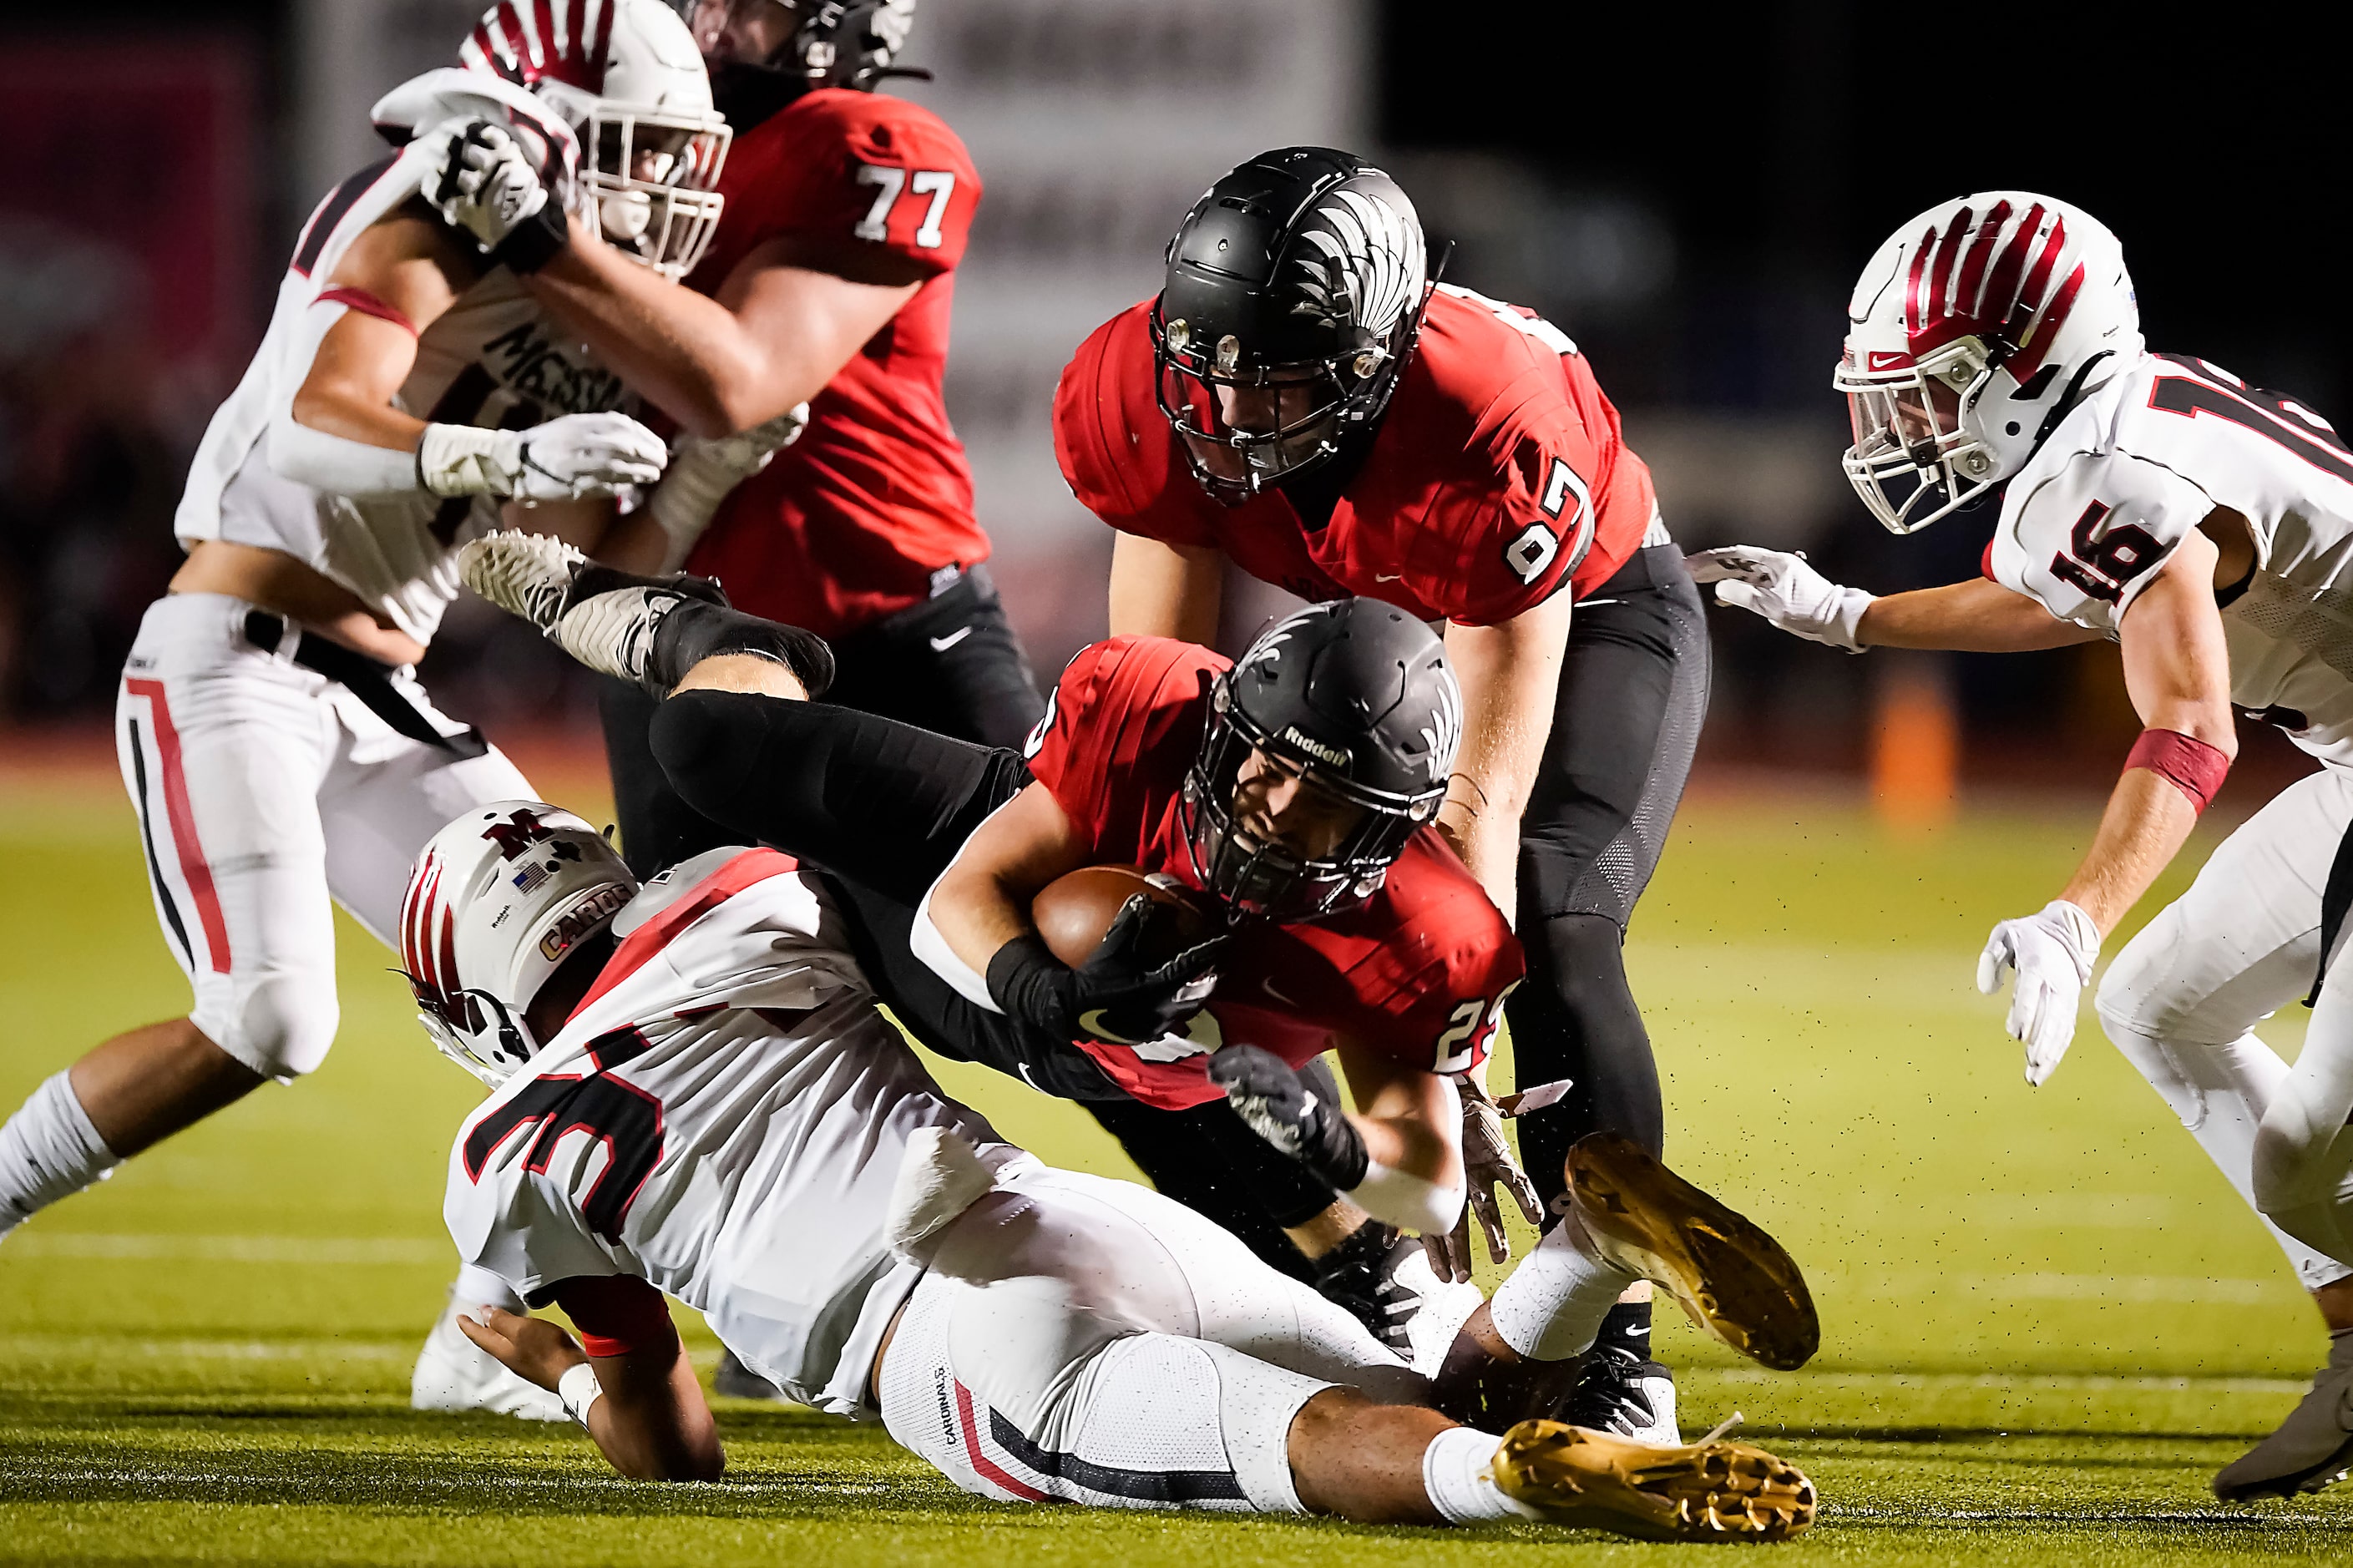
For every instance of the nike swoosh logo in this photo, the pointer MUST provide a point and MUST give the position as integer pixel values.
(941, 645)
(1268, 986)
(1387, 576)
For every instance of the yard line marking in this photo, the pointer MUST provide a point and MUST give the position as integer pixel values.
(2010, 1382)
(30, 1345)
(2163, 1289)
(336, 1250)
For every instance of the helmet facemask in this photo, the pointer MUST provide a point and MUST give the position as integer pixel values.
(1244, 428)
(648, 178)
(1266, 877)
(1915, 456)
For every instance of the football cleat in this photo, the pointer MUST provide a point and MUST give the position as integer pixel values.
(454, 1374)
(1733, 1280)
(1709, 1491)
(1624, 1395)
(2312, 1447)
(1385, 1281)
(603, 617)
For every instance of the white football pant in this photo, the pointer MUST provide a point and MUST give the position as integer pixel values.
(2181, 1000)
(1090, 1340)
(263, 791)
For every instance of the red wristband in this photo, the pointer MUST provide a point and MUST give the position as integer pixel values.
(2185, 762)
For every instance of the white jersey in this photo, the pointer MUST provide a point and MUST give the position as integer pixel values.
(493, 359)
(723, 1116)
(2140, 463)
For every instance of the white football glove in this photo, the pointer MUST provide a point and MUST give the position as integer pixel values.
(702, 472)
(2053, 952)
(483, 181)
(1780, 587)
(567, 459)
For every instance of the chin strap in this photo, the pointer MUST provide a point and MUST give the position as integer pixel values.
(2068, 399)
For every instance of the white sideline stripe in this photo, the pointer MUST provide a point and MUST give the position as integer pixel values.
(2220, 1514)
(2164, 1289)
(107, 1345)
(2007, 1382)
(343, 1250)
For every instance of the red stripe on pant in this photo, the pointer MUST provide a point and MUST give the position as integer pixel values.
(988, 1468)
(193, 867)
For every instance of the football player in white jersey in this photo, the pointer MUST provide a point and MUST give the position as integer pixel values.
(2205, 526)
(277, 750)
(693, 1094)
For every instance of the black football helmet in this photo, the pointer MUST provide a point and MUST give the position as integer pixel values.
(1358, 699)
(1294, 291)
(834, 43)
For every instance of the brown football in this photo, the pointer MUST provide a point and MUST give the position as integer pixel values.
(1074, 911)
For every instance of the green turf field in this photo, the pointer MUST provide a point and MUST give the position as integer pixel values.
(2046, 1319)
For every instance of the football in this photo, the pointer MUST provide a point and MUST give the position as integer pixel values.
(1074, 911)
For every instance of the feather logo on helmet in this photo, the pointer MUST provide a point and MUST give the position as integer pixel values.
(1363, 266)
(1443, 733)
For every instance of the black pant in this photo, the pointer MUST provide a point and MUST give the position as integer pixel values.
(1633, 693)
(951, 665)
(882, 807)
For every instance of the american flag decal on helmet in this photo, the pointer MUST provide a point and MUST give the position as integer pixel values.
(2000, 290)
(530, 41)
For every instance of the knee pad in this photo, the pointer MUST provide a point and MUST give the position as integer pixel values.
(280, 1026)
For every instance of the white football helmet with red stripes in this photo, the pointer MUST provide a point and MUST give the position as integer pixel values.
(497, 902)
(629, 77)
(1977, 326)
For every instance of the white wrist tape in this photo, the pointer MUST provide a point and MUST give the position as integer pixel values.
(932, 951)
(465, 460)
(1845, 622)
(1409, 1203)
(579, 1390)
(336, 464)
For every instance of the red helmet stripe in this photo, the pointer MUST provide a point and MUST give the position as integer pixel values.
(2045, 330)
(1966, 299)
(1941, 301)
(447, 970)
(1913, 316)
(2038, 281)
(552, 45)
(2001, 288)
(599, 56)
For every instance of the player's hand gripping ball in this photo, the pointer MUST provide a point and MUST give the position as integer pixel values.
(1147, 970)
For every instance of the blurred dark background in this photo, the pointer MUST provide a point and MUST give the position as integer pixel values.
(1687, 191)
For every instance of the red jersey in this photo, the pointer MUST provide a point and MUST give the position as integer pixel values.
(1417, 973)
(1497, 476)
(850, 522)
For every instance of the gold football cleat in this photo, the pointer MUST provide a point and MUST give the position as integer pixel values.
(1733, 1280)
(1708, 1491)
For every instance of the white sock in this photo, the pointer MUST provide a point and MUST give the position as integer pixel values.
(49, 1150)
(478, 1286)
(1551, 1306)
(1456, 1474)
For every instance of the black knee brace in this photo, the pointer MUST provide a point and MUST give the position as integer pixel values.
(694, 631)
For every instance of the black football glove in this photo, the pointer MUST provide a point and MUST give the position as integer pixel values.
(1115, 994)
(1282, 1108)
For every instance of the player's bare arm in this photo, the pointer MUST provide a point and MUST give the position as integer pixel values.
(1974, 616)
(642, 1406)
(1162, 589)
(411, 266)
(2178, 672)
(1410, 1121)
(786, 319)
(982, 901)
(1511, 675)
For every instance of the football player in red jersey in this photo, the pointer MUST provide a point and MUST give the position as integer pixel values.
(1295, 786)
(1300, 401)
(828, 282)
